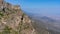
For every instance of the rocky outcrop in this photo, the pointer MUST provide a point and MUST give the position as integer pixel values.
(13, 20)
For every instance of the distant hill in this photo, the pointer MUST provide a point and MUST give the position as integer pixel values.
(48, 19)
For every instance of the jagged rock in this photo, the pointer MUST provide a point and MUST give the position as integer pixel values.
(13, 20)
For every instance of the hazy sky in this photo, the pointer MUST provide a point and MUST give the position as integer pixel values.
(36, 3)
(45, 7)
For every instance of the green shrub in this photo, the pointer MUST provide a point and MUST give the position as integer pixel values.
(6, 30)
(1, 14)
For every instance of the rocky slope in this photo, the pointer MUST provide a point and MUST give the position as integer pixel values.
(13, 20)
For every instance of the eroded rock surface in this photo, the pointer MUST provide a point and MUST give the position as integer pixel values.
(13, 20)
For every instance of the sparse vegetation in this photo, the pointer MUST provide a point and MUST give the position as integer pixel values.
(26, 26)
(1, 14)
(22, 26)
(8, 30)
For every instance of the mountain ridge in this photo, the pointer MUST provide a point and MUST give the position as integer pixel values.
(13, 20)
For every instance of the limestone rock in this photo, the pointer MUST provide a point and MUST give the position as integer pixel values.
(13, 20)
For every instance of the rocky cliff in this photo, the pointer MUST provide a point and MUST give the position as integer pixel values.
(13, 20)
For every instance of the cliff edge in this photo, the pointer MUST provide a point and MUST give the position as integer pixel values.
(13, 20)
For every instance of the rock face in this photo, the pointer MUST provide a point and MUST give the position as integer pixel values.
(13, 20)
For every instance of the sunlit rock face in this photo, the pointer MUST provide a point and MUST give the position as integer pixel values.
(16, 7)
(13, 20)
(1, 2)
